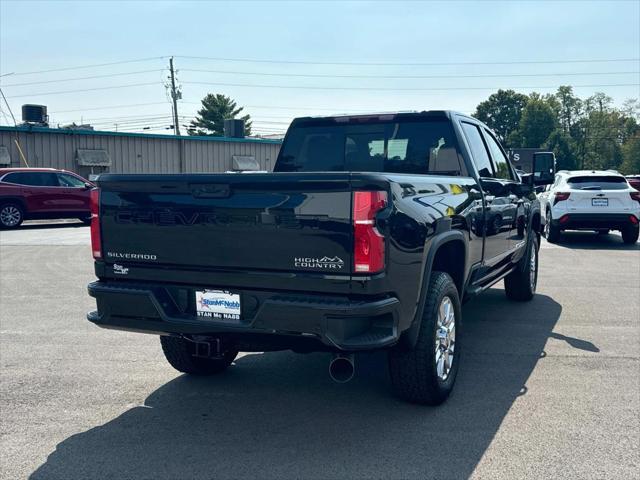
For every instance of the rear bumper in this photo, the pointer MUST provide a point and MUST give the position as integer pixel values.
(595, 221)
(281, 320)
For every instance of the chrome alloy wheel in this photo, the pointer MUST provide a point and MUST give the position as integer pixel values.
(10, 216)
(445, 338)
(533, 272)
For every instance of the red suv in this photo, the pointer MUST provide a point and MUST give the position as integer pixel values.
(37, 193)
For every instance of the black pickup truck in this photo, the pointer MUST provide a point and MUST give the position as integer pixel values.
(368, 235)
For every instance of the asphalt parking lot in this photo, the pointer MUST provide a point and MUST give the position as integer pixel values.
(547, 389)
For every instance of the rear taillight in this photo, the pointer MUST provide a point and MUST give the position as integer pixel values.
(635, 196)
(368, 249)
(560, 197)
(96, 243)
(633, 219)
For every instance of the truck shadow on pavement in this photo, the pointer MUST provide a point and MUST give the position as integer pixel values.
(278, 415)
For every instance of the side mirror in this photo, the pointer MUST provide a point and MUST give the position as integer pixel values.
(544, 168)
(88, 186)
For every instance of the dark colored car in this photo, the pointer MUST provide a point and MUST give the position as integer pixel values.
(368, 235)
(634, 181)
(42, 193)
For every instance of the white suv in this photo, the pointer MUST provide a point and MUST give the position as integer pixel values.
(590, 200)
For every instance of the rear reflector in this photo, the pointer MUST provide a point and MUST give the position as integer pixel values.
(96, 243)
(635, 196)
(560, 197)
(368, 248)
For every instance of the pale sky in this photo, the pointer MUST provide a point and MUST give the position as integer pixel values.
(439, 55)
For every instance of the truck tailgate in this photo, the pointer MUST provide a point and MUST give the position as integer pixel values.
(275, 222)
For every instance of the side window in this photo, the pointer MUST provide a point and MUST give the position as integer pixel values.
(46, 179)
(33, 179)
(500, 161)
(13, 178)
(66, 180)
(478, 150)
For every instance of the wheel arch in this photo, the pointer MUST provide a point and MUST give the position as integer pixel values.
(17, 200)
(446, 252)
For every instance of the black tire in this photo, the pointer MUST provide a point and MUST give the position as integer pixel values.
(520, 227)
(521, 284)
(551, 231)
(630, 235)
(179, 353)
(496, 224)
(11, 215)
(603, 231)
(414, 372)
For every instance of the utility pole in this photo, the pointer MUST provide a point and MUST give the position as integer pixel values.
(175, 94)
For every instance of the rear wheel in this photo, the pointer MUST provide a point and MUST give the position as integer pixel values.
(521, 284)
(630, 234)
(551, 231)
(181, 354)
(11, 215)
(426, 373)
(495, 225)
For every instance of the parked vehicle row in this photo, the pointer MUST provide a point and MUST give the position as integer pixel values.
(42, 193)
(369, 234)
(591, 200)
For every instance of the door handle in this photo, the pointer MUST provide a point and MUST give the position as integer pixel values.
(489, 199)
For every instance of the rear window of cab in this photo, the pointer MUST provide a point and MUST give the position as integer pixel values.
(401, 146)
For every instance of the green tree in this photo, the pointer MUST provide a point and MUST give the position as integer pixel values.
(631, 108)
(601, 137)
(570, 108)
(216, 108)
(501, 112)
(537, 122)
(631, 155)
(561, 144)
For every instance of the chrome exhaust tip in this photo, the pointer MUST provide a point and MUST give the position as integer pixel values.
(341, 368)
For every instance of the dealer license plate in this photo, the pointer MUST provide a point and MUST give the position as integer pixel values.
(600, 202)
(217, 304)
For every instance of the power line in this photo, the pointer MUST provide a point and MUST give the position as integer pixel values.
(82, 78)
(9, 107)
(325, 109)
(404, 64)
(95, 65)
(110, 107)
(307, 62)
(399, 89)
(320, 75)
(112, 87)
(134, 122)
(124, 117)
(226, 72)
